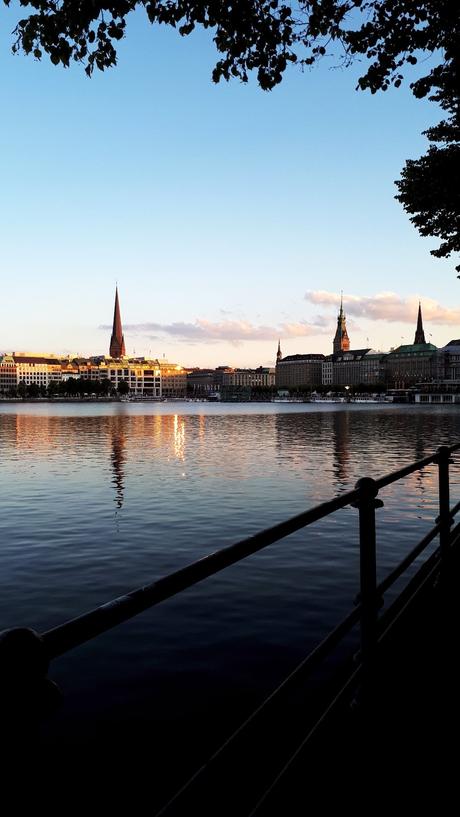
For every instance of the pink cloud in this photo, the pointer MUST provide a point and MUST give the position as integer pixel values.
(387, 306)
(231, 331)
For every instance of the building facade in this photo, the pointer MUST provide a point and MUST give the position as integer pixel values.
(414, 363)
(354, 367)
(201, 382)
(173, 379)
(249, 377)
(36, 369)
(411, 364)
(449, 362)
(299, 371)
(8, 375)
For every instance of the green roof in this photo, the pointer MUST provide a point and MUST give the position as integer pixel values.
(415, 349)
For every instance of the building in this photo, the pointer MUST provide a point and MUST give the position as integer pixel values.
(449, 362)
(413, 363)
(8, 375)
(299, 371)
(201, 382)
(248, 377)
(173, 379)
(354, 367)
(142, 377)
(148, 378)
(39, 370)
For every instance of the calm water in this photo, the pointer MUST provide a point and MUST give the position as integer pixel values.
(98, 499)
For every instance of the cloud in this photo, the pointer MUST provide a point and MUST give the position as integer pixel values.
(231, 331)
(388, 306)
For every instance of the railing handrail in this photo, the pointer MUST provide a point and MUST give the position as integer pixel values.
(72, 633)
(77, 631)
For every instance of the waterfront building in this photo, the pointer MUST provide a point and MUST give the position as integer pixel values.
(69, 369)
(449, 362)
(92, 370)
(412, 363)
(38, 370)
(201, 382)
(354, 367)
(341, 341)
(173, 379)
(249, 377)
(219, 375)
(8, 376)
(117, 341)
(142, 377)
(299, 371)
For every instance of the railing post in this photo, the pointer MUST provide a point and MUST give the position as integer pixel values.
(26, 694)
(367, 504)
(444, 519)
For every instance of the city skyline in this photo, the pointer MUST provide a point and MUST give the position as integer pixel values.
(384, 306)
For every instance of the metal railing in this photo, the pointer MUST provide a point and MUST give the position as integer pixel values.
(25, 655)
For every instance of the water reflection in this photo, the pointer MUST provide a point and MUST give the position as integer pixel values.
(341, 448)
(117, 457)
(179, 437)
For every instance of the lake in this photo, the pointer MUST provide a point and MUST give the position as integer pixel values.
(98, 499)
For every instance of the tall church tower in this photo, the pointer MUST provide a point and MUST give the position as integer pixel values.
(279, 356)
(117, 341)
(341, 340)
(419, 333)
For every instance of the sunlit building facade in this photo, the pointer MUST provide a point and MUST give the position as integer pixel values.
(8, 376)
(249, 377)
(173, 379)
(37, 369)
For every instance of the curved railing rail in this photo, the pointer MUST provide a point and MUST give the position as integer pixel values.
(77, 631)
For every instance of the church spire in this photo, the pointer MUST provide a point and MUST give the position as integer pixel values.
(279, 355)
(341, 340)
(419, 333)
(117, 341)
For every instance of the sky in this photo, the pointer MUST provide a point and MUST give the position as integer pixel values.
(229, 216)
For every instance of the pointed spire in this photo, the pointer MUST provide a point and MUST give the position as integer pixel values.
(419, 333)
(341, 341)
(117, 341)
(279, 355)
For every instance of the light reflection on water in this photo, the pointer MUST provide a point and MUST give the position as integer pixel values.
(98, 499)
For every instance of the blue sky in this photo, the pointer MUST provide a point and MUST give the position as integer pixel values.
(217, 208)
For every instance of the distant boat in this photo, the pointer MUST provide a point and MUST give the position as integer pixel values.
(291, 400)
(328, 400)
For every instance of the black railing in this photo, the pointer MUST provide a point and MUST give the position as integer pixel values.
(25, 655)
(77, 631)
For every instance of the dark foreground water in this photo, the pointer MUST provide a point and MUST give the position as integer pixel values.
(98, 499)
